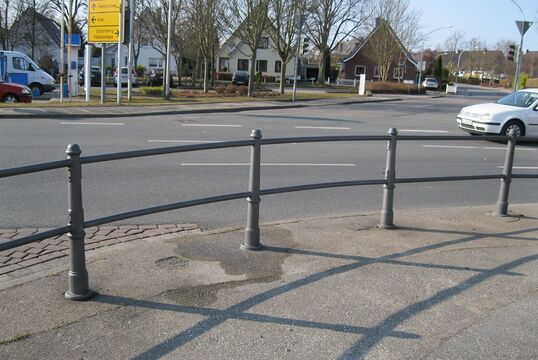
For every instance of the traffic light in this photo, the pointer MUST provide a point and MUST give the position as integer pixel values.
(304, 45)
(511, 53)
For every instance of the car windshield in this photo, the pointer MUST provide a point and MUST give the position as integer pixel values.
(521, 99)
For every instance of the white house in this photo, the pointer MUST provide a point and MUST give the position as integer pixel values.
(234, 56)
(148, 56)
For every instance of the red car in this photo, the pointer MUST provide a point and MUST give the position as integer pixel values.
(12, 93)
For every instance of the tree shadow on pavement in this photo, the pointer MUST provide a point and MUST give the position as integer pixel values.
(370, 336)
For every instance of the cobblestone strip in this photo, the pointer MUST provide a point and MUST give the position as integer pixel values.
(57, 247)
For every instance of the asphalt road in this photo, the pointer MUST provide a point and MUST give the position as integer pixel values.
(40, 199)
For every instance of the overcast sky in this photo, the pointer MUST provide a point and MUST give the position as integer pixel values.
(487, 20)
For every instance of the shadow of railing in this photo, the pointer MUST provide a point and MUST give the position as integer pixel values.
(370, 336)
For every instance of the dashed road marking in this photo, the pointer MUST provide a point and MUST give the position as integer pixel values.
(266, 164)
(90, 123)
(424, 131)
(323, 127)
(183, 141)
(212, 125)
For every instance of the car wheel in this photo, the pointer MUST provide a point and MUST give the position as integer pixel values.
(10, 98)
(515, 125)
(36, 89)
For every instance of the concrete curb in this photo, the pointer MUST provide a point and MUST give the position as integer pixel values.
(53, 114)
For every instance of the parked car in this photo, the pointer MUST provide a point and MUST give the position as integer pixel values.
(430, 83)
(13, 93)
(124, 77)
(517, 111)
(156, 76)
(95, 79)
(240, 78)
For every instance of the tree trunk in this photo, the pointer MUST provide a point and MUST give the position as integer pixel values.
(282, 77)
(321, 70)
(206, 69)
(251, 77)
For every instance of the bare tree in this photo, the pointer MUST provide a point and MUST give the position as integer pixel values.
(396, 31)
(284, 17)
(453, 45)
(155, 16)
(250, 19)
(330, 22)
(204, 16)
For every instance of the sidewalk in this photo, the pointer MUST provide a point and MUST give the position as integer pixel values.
(455, 283)
(173, 109)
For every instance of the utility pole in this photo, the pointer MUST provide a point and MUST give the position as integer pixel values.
(168, 51)
(69, 45)
(130, 58)
(62, 51)
(120, 39)
(298, 54)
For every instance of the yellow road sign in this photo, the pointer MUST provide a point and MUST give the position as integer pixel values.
(103, 21)
(103, 34)
(103, 6)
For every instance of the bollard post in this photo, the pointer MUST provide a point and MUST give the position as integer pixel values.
(252, 231)
(387, 214)
(502, 202)
(78, 276)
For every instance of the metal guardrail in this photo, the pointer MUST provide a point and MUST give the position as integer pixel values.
(78, 288)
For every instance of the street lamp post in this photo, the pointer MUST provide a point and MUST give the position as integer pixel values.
(422, 53)
(458, 69)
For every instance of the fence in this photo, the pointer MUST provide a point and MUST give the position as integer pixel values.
(78, 288)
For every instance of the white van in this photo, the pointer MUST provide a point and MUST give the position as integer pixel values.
(16, 67)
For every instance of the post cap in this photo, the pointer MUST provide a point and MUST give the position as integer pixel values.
(512, 132)
(256, 134)
(393, 131)
(73, 149)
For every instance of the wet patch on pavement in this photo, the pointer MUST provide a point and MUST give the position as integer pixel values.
(256, 266)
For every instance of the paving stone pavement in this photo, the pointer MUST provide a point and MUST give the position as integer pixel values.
(58, 247)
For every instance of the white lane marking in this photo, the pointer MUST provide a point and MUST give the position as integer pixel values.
(450, 146)
(424, 131)
(90, 123)
(212, 125)
(473, 147)
(323, 127)
(183, 141)
(265, 164)
(504, 148)
(521, 167)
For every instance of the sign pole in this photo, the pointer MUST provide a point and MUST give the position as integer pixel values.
(103, 73)
(120, 37)
(130, 58)
(62, 51)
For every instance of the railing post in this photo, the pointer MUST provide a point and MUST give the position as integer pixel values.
(77, 276)
(387, 214)
(502, 202)
(252, 231)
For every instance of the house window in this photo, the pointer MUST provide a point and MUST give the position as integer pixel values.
(398, 72)
(360, 69)
(20, 63)
(155, 62)
(261, 65)
(278, 66)
(224, 64)
(242, 64)
(376, 72)
(264, 43)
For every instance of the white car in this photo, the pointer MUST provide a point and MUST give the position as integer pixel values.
(430, 83)
(124, 76)
(517, 111)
